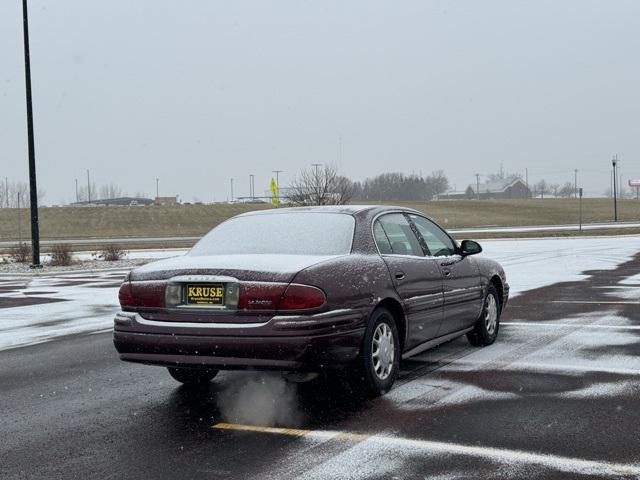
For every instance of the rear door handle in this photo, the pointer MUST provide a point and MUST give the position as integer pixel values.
(447, 263)
(400, 275)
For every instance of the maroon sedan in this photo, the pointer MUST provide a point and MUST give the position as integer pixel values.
(308, 289)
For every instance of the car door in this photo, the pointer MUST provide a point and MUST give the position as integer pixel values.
(417, 279)
(461, 277)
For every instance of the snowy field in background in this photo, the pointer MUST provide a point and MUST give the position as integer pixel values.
(91, 298)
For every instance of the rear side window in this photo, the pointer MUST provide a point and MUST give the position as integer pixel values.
(300, 233)
(381, 239)
(400, 239)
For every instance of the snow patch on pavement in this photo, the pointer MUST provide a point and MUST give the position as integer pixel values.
(531, 264)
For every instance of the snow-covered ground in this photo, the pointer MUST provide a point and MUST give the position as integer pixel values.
(535, 263)
(90, 299)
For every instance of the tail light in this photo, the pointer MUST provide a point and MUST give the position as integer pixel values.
(142, 294)
(279, 296)
(263, 296)
(300, 297)
(125, 297)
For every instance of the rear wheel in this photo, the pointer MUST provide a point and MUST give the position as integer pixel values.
(379, 361)
(486, 328)
(192, 376)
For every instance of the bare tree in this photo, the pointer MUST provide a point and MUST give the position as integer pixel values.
(542, 187)
(109, 191)
(14, 194)
(398, 186)
(83, 192)
(322, 186)
(567, 190)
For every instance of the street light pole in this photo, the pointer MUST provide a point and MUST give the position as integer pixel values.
(614, 162)
(33, 187)
(251, 176)
(478, 186)
(231, 189)
(157, 187)
(575, 183)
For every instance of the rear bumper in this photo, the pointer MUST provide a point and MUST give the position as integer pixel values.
(240, 348)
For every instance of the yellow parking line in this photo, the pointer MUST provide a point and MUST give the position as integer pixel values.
(294, 432)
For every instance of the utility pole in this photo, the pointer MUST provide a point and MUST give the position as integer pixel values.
(614, 162)
(231, 182)
(477, 186)
(317, 165)
(19, 222)
(526, 176)
(157, 187)
(580, 207)
(575, 183)
(88, 187)
(77, 190)
(33, 187)
(278, 172)
(6, 191)
(251, 186)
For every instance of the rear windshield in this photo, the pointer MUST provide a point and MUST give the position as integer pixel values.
(302, 233)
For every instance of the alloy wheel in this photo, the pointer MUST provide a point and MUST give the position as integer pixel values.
(491, 314)
(383, 351)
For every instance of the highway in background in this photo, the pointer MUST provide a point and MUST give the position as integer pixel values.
(140, 242)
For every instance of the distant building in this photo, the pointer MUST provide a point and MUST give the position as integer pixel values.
(120, 202)
(166, 201)
(512, 187)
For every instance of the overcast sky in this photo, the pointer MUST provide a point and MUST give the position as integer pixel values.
(201, 91)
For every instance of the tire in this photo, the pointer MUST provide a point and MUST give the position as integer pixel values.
(486, 328)
(192, 376)
(379, 362)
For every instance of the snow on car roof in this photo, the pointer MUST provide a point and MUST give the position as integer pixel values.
(346, 209)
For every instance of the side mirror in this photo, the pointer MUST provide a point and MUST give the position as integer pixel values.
(469, 247)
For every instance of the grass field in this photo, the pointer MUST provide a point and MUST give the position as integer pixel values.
(194, 220)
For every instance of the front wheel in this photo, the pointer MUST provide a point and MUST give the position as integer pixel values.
(192, 376)
(379, 361)
(486, 328)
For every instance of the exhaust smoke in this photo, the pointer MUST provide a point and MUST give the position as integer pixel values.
(260, 399)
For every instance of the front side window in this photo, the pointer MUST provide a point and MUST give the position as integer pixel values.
(438, 242)
(400, 239)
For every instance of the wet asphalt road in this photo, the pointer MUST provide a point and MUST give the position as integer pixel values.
(558, 396)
